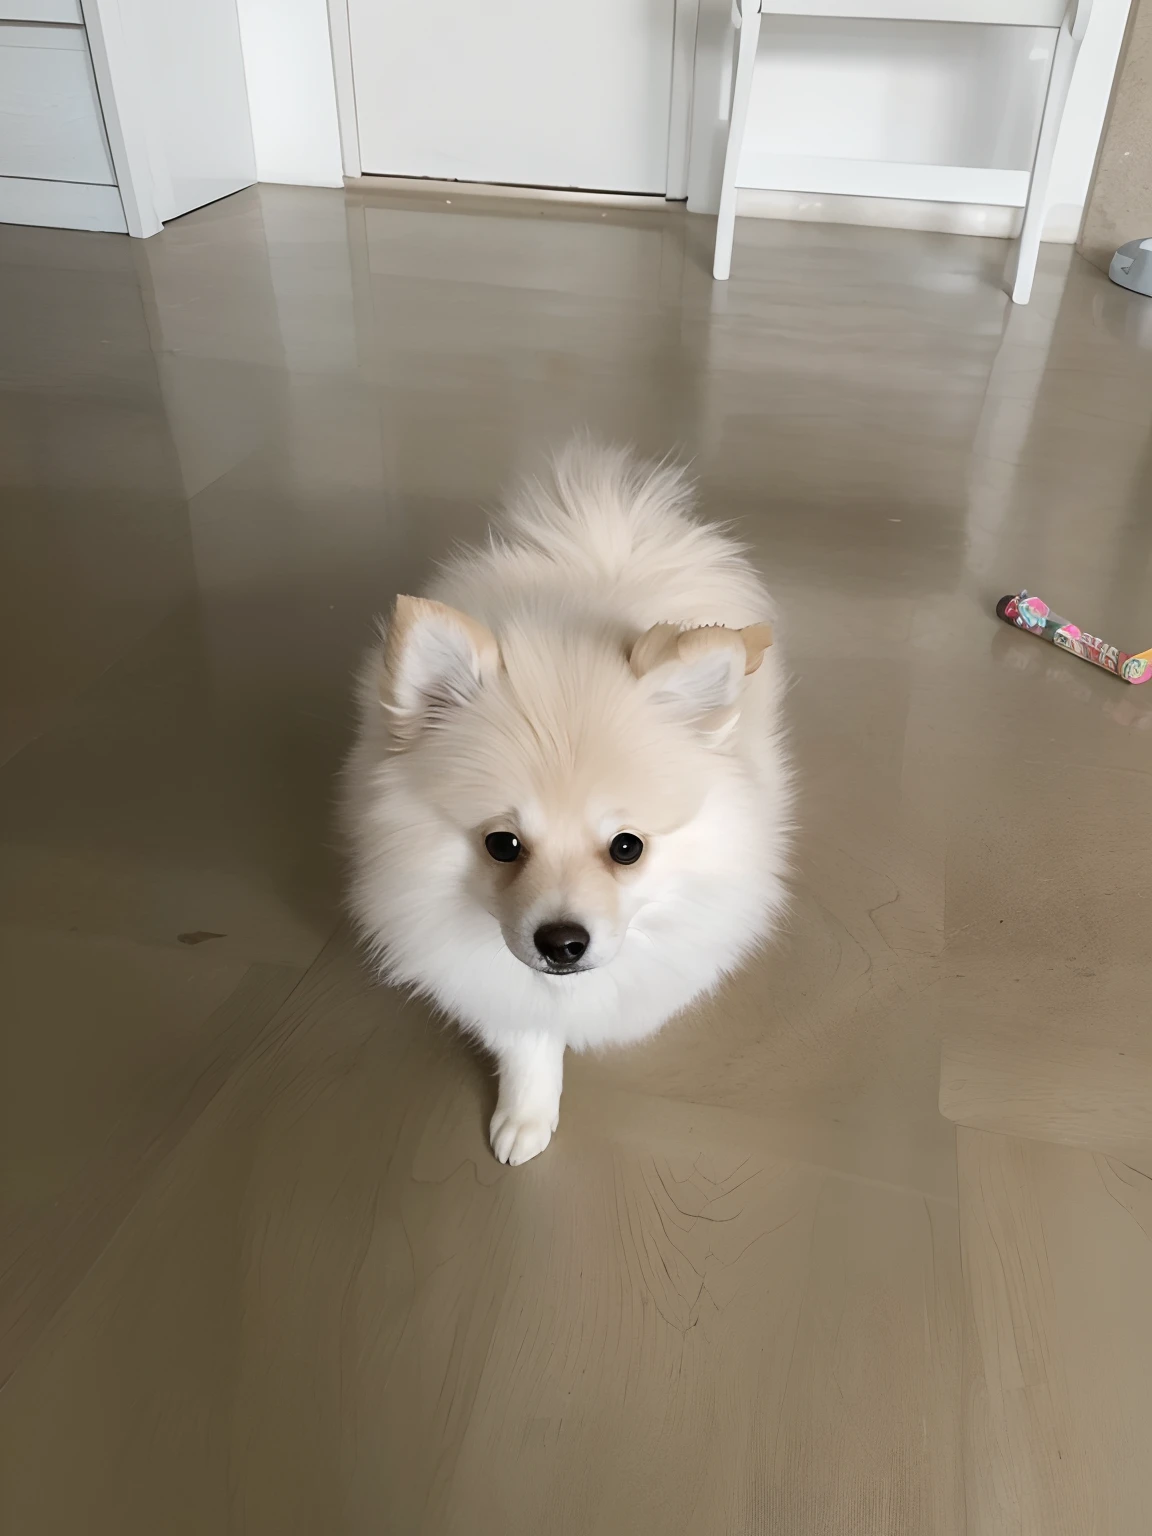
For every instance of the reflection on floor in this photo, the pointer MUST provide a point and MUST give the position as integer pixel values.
(262, 1274)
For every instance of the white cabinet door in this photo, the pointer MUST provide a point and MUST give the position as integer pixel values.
(171, 80)
(528, 92)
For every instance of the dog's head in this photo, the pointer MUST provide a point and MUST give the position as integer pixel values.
(568, 771)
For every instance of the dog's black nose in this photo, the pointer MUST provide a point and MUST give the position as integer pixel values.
(561, 944)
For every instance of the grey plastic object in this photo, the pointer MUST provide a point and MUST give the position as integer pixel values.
(1131, 266)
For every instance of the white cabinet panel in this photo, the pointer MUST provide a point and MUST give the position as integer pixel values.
(50, 123)
(61, 205)
(42, 10)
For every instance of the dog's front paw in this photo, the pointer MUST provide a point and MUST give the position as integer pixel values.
(517, 1136)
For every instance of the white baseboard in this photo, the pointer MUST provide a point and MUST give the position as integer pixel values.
(1061, 226)
(61, 205)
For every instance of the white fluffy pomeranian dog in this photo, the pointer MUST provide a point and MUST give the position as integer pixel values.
(568, 798)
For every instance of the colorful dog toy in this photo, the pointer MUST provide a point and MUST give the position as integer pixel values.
(1037, 618)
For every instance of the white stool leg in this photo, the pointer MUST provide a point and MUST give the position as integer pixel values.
(744, 70)
(1063, 62)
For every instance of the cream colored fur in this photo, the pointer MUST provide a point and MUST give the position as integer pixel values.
(604, 665)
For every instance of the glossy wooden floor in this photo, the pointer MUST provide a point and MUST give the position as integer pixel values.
(863, 1247)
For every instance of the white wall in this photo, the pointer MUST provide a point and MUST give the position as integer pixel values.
(291, 91)
(905, 92)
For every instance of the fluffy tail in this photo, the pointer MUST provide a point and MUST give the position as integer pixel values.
(605, 511)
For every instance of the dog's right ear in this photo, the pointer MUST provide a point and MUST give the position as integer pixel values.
(434, 660)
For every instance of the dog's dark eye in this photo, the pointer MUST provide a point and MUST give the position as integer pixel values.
(625, 848)
(504, 847)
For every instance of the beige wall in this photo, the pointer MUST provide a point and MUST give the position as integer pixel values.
(1120, 200)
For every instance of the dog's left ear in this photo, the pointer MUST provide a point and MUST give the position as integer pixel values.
(697, 675)
(434, 659)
